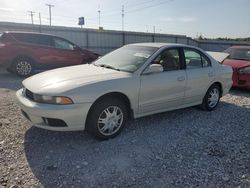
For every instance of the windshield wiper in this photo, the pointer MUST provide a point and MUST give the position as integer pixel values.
(108, 66)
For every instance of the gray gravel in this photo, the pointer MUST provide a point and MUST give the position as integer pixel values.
(183, 148)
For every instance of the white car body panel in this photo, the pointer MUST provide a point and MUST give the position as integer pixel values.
(148, 94)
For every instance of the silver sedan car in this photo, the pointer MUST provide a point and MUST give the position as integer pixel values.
(131, 82)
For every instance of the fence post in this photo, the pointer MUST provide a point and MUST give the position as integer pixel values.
(153, 38)
(87, 39)
(123, 38)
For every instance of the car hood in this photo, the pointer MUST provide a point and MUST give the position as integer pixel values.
(236, 63)
(64, 79)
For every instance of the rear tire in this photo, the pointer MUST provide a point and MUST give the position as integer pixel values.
(107, 118)
(212, 98)
(23, 67)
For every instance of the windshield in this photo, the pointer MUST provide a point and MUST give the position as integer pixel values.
(128, 58)
(240, 54)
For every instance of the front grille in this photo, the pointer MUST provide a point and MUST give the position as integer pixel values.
(242, 82)
(29, 94)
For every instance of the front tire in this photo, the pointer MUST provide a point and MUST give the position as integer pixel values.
(107, 118)
(212, 98)
(23, 67)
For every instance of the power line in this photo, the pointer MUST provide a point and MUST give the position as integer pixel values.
(31, 15)
(50, 6)
(143, 8)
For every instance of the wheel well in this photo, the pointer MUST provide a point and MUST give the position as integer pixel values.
(220, 86)
(22, 56)
(116, 95)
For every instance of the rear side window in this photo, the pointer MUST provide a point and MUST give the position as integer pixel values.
(195, 59)
(33, 39)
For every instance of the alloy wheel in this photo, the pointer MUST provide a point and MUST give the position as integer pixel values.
(23, 68)
(213, 97)
(110, 120)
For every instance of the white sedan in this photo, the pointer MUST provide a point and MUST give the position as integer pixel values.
(133, 81)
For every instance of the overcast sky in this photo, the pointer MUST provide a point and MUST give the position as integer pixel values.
(211, 18)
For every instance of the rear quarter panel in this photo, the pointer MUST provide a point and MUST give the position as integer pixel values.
(224, 75)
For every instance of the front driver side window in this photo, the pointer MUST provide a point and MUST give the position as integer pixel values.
(169, 59)
(62, 44)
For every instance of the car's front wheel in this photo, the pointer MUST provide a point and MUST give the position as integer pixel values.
(212, 98)
(107, 118)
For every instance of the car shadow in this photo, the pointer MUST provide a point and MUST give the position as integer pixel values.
(240, 92)
(76, 159)
(10, 80)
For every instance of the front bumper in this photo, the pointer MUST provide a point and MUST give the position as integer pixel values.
(74, 115)
(241, 80)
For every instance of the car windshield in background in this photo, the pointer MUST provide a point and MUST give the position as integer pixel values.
(128, 58)
(240, 54)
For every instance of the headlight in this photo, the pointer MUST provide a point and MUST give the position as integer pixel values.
(245, 70)
(52, 100)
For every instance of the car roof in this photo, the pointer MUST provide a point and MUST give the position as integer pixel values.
(160, 45)
(24, 32)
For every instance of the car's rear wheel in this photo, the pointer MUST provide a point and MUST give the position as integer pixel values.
(23, 67)
(212, 98)
(107, 118)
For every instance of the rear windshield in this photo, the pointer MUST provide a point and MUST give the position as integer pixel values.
(239, 54)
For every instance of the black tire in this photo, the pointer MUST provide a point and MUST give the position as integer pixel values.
(23, 67)
(98, 111)
(207, 104)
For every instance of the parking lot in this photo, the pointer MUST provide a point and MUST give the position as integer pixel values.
(182, 148)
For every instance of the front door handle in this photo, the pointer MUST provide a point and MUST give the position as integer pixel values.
(181, 78)
(210, 74)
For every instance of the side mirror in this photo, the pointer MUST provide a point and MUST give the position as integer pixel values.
(76, 47)
(154, 68)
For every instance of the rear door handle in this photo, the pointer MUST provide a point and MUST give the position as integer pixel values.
(181, 78)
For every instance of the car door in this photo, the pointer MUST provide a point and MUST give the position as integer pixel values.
(164, 90)
(200, 75)
(65, 52)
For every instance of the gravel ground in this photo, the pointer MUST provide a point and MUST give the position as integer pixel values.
(183, 148)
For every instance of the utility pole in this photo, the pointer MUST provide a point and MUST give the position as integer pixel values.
(122, 17)
(40, 22)
(50, 6)
(154, 29)
(31, 15)
(99, 14)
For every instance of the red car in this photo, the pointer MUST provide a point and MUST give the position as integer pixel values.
(239, 60)
(24, 53)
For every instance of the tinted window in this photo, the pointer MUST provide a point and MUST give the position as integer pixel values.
(195, 60)
(169, 59)
(33, 39)
(63, 44)
(241, 54)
